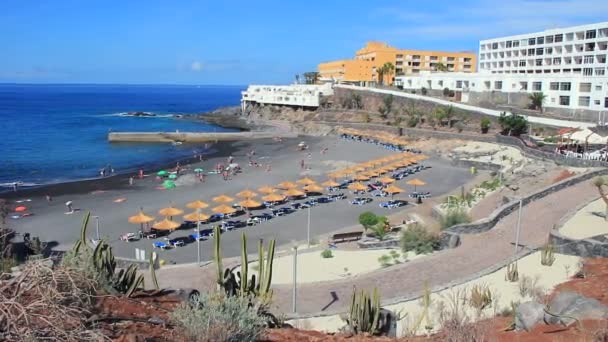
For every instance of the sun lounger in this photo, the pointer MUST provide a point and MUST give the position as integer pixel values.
(128, 237)
(161, 245)
(177, 243)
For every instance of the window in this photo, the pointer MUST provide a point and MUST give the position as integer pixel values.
(557, 61)
(554, 85)
(516, 43)
(540, 40)
(539, 51)
(509, 43)
(584, 87)
(599, 71)
(564, 86)
(584, 101)
(564, 100)
(598, 87)
(458, 84)
(549, 39)
(531, 41)
(399, 56)
(537, 86)
(522, 63)
(549, 50)
(559, 38)
(590, 34)
(498, 85)
(588, 59)
(539, 62)
(605, 102)
(597, 102)
(494, 46)
(587, 71)
(523, 85)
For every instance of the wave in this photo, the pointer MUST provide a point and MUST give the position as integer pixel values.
(146, 115)
(20, 184)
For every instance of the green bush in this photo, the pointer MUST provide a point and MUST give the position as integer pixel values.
(384, 260)
(454, 217)
(419, 240)
(412, 121)
(219, 319)
(395, 255)
(327, 254)
(368, 219)
(513, 124)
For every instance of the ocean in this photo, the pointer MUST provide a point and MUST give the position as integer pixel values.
(58, 133)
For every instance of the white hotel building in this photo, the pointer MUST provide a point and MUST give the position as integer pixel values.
(295, 95)
(567, 64)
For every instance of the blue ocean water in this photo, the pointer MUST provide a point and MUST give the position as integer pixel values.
(56, 133)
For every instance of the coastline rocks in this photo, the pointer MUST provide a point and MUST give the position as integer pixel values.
(528, 314)
(140, 114)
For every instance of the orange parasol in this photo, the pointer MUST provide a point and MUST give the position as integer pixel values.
(249, 203)
(198, 204)
(286, 185)
(223, 199)
(293, 192)
(196, 216)
(415, 182)
(266, 189)
(361, 177)
(330, 183)
(386, 180)
(170, 211)
(393, 189)
(140, 218)
(224, 209)
(357, 187)
(306, 181)
(313, 188)
(166, 224)
(273, 198)
(246, 194)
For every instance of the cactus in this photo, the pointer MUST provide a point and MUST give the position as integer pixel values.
(240, 283)
(512, 274)
(547, 257)
(82, 242)
(153, 270)
(125, 281)
(364, 312)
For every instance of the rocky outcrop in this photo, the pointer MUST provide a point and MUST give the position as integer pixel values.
(567, 307)
(528, 314)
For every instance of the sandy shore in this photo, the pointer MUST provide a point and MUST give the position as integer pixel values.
(114, 200)
(586, 223)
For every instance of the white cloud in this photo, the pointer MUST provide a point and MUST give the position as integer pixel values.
(479, 19)
(196, 66)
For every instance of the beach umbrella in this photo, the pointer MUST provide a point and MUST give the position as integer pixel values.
(293, 192)
(223, 199)
(359, 168)
(357, 186)
(249, 203)
(306, 181)
(224, 209)
(140, 219)
(246, 194)
(313, 188)
(172, 176)
(199, 170)
(386, 180)
(372, 173)
(169, 184)
(415, 182)
(21, 208)
(196, 217)
(330, 183)
(162, 173)
(286, 185)
(361, 177)
(166, 224)
(198, 204)
(392, 189)
(273, 198)
(266, 189)
(170, 211)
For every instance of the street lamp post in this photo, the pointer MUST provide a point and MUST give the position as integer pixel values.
(518, 226)
(295, 278)
(198, 238)
(308, 228)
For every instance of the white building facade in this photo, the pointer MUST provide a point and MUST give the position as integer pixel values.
(577, 50)
(296, 95)
(567, 65)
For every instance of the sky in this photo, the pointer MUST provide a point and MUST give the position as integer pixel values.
(236, 42)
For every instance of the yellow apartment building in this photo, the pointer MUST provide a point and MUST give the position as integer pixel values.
(363, 68)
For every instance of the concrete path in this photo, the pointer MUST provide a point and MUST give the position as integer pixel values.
(533, 119)
(477, 253)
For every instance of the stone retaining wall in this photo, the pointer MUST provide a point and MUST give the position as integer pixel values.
(488, 223)
(595, 246)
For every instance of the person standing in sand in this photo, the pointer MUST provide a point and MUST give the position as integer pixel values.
(131, 181)
(49, 198)
(68, 204)
(141, 173)
(302, 164)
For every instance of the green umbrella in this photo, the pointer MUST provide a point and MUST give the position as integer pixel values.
(172, 176)
(198, 170)
(168, 184)
(162, 173)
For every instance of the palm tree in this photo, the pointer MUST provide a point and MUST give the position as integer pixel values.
(440, 67)
(311, 77)
(389, 69)
(537, 99)
(599, 183)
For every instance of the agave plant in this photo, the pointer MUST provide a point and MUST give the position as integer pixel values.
(364, 313)
(512, 274)
(547, 255)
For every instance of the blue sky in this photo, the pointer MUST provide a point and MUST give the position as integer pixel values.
(241, 42)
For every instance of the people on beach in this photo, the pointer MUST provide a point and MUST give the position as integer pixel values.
(141, 173)
(68, 204)
(302, 164)
(131, 181)
(49, 198)
(15, 186)
(230, 160)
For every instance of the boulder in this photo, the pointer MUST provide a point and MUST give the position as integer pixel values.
(567, 306)
(528, 314)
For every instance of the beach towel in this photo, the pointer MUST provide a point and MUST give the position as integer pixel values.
(97, 192)
(23, 200)
(120, 200)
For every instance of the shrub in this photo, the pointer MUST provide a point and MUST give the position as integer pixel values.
(327, 254)
(368, 219)
(419, 240)
(512, 124)
(481, 297)
(219, 319)
(454, 217)
(485, 125)
(395, 255)
(384, 260)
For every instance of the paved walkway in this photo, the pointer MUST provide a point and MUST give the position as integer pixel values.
(533, 119)
(477, 253)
